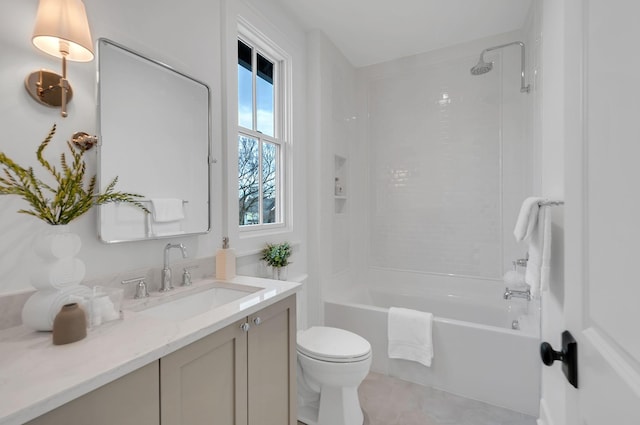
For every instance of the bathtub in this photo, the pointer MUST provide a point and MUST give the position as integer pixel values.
(485, 348)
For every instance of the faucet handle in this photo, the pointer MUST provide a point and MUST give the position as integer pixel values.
(141, 287)
(186, 276)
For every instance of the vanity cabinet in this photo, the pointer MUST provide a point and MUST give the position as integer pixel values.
(271, 346)
(206, 379)
(129, 400)
(243, 374)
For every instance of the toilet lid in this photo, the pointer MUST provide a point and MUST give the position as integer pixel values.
(333, 344)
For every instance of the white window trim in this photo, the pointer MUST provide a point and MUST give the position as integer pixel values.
(282, 127)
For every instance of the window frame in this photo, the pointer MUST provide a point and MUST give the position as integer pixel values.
(262, 45)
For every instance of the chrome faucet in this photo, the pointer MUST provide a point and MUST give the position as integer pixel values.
(166, 285)
(514, 293)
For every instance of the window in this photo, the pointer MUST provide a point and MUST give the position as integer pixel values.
(260, 141)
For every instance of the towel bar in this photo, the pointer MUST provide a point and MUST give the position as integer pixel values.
(148, 201)
(552, 203)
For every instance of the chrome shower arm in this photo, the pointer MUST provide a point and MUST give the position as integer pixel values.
(502, 46)
(523, 88)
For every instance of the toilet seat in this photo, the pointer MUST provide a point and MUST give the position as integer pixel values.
(333, 345)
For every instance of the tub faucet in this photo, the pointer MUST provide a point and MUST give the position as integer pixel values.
(514, 293)
(166, 285)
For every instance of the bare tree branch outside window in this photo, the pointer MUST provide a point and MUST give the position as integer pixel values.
(248, 189)
(269, 166)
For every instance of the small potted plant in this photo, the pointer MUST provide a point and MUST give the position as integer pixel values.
(277, 257)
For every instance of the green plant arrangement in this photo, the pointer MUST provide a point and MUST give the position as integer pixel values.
(276, 255)
(70, 199)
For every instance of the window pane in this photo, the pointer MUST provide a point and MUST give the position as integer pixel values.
(269, 173)
(265, 96)
(245, 86)
(248, 180)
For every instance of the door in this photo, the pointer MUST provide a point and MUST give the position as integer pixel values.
(602, 225)
(206, 381)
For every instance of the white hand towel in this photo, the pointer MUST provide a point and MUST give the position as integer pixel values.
(166, 229)
(167, 209)
(527, 218)
(538, 266)
(409, 335)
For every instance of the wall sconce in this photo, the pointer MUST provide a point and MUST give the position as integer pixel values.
(61, 30)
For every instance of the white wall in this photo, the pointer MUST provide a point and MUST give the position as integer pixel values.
(25, 122)
(449, 161)
(192, 36)
(273, 24)
(334, 151)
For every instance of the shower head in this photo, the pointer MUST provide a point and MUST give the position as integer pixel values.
(483, 67)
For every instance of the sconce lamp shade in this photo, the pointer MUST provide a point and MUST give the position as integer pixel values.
(62, 22)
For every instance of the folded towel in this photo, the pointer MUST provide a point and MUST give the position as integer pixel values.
(166, 229)
(167, 209)
(43, 306)
(527, 218)
(409, 335)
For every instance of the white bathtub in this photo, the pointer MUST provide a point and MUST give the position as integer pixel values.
(477, 354)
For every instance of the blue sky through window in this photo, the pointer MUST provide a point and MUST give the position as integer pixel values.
(265, 104)
(245, 98)
(264, 95)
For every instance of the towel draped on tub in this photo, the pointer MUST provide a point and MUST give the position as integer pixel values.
(410, 336)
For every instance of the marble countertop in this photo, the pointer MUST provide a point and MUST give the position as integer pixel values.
(37, 376)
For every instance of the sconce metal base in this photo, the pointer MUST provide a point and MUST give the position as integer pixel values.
(84, 141)
(44, 86)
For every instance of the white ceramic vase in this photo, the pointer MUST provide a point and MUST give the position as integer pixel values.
(279, 273)
(56, 276)
(57, 247)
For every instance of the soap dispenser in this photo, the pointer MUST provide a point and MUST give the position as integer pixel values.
(225, 261)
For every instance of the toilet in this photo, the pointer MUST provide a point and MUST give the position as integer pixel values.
(332, 363)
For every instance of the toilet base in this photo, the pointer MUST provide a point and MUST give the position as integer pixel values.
(338, 406)
(303, 421)
(308, 415)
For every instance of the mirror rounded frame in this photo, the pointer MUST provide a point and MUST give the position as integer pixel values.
(147, 82)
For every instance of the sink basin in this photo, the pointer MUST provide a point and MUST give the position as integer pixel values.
(196, 301)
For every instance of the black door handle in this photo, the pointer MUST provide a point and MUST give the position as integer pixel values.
(568, 356)
(549, 355)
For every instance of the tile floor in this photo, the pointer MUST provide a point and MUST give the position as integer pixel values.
(390, 401)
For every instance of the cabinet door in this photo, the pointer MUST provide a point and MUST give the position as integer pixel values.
(271, 364)
(129, 400)
(205, 382)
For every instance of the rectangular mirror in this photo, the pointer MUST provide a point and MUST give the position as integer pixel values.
(155, 136)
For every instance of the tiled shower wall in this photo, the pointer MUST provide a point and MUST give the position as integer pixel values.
(449, 161)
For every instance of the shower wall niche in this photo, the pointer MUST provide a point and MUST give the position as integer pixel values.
(340, 184)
